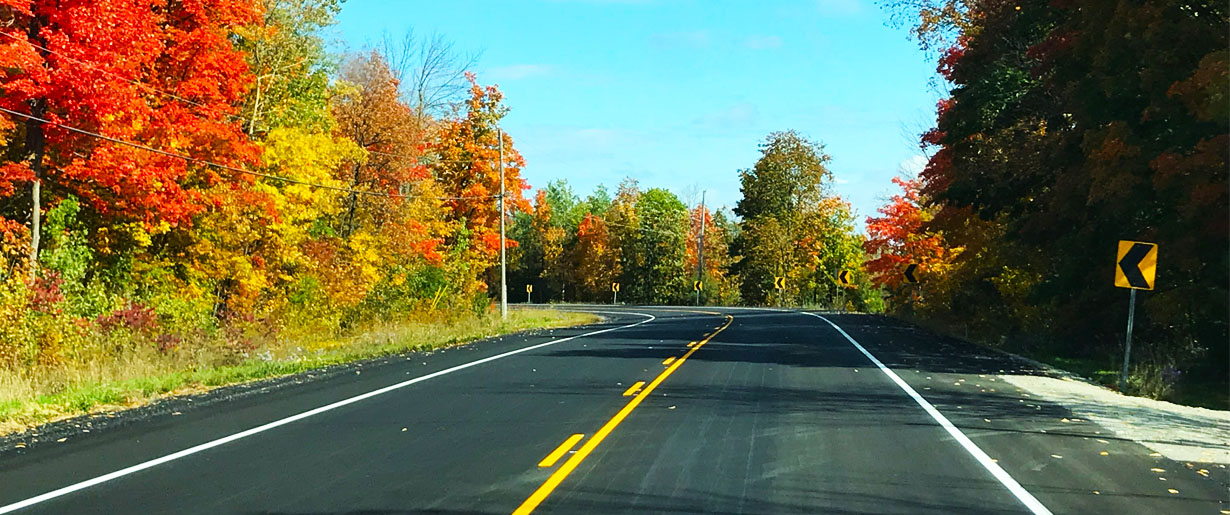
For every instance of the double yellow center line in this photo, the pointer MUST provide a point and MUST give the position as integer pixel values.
(562, 473)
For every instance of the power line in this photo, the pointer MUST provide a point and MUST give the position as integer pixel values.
(116, 75)
(167, 94)
(232, 168)
(420, 159)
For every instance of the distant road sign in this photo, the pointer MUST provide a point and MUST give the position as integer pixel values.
(698, 286)
(1136, 265)
(529, 288)
(615, 287)
(911, 273)
(779, 283)
(844, 277)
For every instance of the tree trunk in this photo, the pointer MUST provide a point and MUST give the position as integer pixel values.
(35, 145)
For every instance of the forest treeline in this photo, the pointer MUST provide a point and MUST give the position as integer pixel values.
(788, 224)
(1068, 126)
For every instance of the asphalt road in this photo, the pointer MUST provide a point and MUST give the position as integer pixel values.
(767, 413)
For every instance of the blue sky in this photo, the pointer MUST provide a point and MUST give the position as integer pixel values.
(678, 94)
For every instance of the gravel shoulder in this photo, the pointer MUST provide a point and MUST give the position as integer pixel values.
(1181, 433)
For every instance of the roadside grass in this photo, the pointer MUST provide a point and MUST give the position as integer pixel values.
(30, 397)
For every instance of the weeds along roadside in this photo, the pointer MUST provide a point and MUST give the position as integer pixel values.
(109, 370)
(1153, 372)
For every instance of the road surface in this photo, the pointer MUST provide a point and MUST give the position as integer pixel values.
(758, 412)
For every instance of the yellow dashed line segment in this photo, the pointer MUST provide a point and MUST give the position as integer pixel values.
(559, 451)
(632, 389)
(564, 470)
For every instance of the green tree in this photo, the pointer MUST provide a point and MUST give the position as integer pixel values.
(784, 202)
(659, 275)
(290, 64)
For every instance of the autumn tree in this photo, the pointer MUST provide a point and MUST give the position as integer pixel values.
(465, 162)
(718, 287)
(623, 224)
(593, 260)
(290, 66)
(165, 77)
(896, 239)
(827, 245)
(592, 257)
(258, 240)
(1047, 153)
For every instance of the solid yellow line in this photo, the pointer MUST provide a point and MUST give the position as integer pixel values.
(668, 361)
(632, 389)
(559, 451)
(691, 344)
(561, 473)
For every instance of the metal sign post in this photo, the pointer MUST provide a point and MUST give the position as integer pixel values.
(1127, 344)
(1136, 269)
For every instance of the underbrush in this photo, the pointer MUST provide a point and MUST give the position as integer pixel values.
(103, 370)
(1152, 373)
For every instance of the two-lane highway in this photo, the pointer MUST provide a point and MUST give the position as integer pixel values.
(657, 410)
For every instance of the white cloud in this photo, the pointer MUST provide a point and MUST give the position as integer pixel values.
(738, 116)
(912, 166)
(763, 42)
(517, 72)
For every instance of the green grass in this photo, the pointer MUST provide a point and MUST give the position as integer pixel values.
(32, 397)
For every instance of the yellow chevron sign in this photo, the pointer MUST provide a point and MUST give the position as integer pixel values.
(1136, 265)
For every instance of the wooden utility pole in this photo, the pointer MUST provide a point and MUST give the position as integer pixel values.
(503, 262)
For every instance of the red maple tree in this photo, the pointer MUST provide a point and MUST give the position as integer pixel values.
(897, 238)
(159, 74)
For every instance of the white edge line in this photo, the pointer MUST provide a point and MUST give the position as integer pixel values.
(981, 457)
(293, 418)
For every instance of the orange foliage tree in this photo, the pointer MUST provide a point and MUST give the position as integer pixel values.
(466, 165)
(166, 76)
(897, 238)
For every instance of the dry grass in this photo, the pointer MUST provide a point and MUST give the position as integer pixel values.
(29, 397)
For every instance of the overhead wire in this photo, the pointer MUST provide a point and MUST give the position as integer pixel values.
(116, 75)
(192, 102)
(234, 169)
